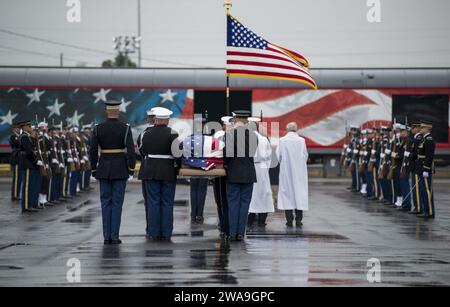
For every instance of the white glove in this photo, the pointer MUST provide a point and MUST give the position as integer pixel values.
(86, 158)
(365, 154)
(54, 161)
(382, 156)
(387, 151)
(130, 177)
(349, 150)
(40, 163)
(355, 151)
(407, 154)
(83, 162)
(426, 174)
(394, 155)
(70, 160)
(345, 146)
(61, 165)
(76, 160)
(373, 151)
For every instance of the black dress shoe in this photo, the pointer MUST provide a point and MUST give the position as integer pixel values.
(298, 224)
(166, 239)
(199, 220)
(413, 212)
(116, 242)
(31, 210)
(371, 198)
(239, 238)
(289, 224)
(107, 242)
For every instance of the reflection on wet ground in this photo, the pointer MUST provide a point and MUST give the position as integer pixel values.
(340, 234)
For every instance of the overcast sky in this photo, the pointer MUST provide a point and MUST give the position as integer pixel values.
(330, 33)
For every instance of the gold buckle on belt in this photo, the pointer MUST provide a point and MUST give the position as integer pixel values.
(112, 151)
(421, 157)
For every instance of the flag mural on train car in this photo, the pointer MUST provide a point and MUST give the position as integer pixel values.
(84, 106)
(322, 115)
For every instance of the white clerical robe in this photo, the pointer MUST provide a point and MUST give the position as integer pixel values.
(262, 201)
(293, 185)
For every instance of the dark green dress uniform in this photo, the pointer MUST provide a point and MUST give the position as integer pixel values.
(424, 171)
(113, 140)
(14, 161)
(29, 171)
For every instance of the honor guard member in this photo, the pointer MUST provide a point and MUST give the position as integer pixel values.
(45, 175)
(416, 140)
(68, 162)
(240, 148)
(354, 159)
(113, 140)
(220, 185)
(364, 164)
(383, 169)
(151, 124)
(14, 161)
(374, 162)
(404, 203)
(28, 168)
(74, 142)
(53, 194)
(425, 157)
(86, 136)
(159, 173)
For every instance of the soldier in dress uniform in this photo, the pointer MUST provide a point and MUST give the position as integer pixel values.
(374, 162)
(75, 146)
(55, 164)
(404, 201)
(150, 124)
(220, 185)
(425, 157)
(86, 138)
(14, 161)
(45, 175)
(383, 169)
(159, 173)
(28, 168)
(353, 151)
(240, 148)
(416, 140)
(113, 139)
(68, 162)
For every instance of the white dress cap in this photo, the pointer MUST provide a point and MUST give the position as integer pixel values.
(161, 113)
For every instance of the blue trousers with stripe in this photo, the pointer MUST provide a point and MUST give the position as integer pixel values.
(30, 192)
(426, 195)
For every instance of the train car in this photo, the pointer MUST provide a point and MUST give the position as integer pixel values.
(364, 97)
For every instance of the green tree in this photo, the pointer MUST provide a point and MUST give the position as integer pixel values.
(121, 60)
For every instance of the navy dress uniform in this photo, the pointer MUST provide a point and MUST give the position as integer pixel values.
(425, 170)
(151, 124)
(114, 141)
(159, 173)
(28, 168)
(14, 161)
(240, 148)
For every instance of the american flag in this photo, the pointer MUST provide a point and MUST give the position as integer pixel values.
(250, 55)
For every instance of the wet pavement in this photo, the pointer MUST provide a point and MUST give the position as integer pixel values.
(341, 233)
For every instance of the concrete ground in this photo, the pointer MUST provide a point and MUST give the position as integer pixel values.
(341, 233)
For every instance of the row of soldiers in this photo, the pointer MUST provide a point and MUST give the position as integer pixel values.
(49, 164)
(393, 165)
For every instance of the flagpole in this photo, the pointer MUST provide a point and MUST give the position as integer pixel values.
(227, 4)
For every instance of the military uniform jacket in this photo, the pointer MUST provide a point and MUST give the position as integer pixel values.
(112, 135)
(158, 141)
(425, 155)
(15, 147)
(239, 161)
(27, 156)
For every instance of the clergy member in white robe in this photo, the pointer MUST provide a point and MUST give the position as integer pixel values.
(262, 201)
(293, 184)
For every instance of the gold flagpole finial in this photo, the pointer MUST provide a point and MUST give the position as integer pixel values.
(228, 4)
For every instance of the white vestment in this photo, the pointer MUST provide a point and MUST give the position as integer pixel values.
(262, 201)
(293, 185)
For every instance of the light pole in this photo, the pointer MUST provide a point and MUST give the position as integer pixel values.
(126, 45)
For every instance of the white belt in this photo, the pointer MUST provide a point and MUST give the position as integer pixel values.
(168, 157)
